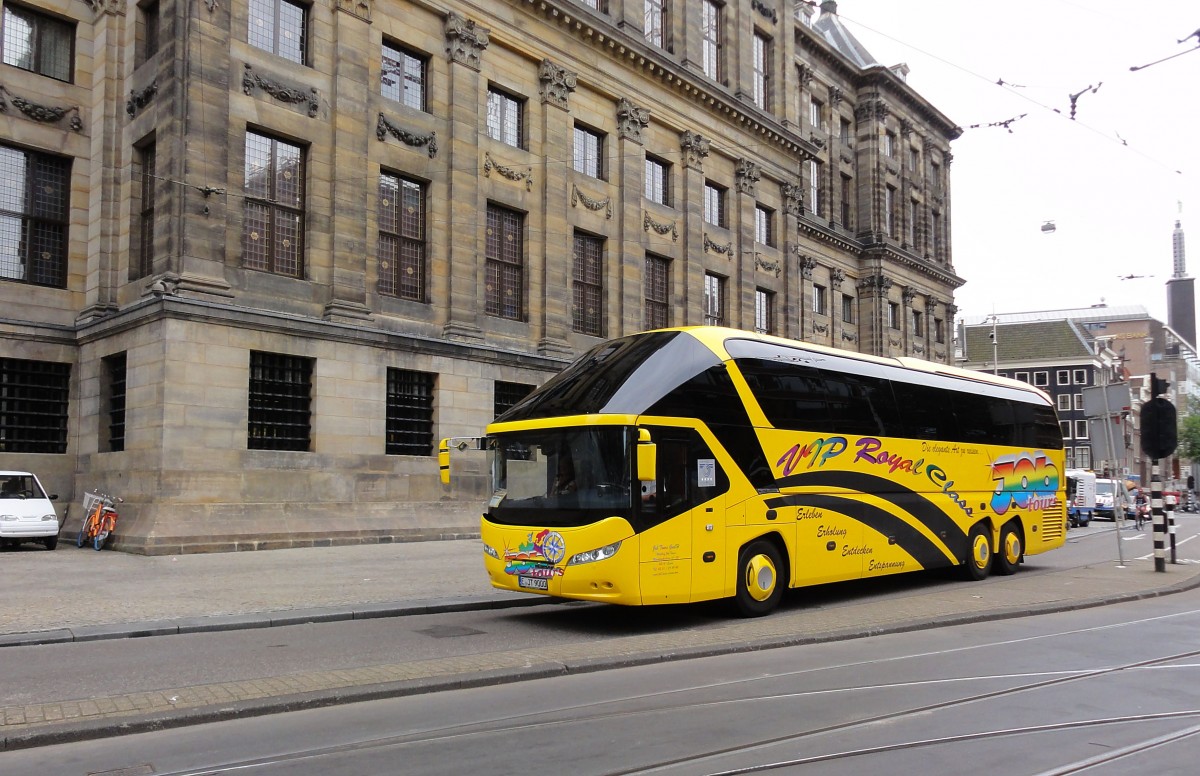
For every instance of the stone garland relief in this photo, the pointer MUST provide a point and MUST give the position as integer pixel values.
(769, 266)
(765, 10)
(383, 128)
(649, 223)
(510, 173)
(288, 94)
(42, 113)
(139, 100)
(709, 245)
(591, 203)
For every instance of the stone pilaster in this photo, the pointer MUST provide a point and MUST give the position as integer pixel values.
(689, 277)
(554, 325)
(465, 43)
(628, 257)
(350, 246)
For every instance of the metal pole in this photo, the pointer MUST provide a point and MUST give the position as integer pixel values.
(1119, 495)
(995, 348)
(1160, 522)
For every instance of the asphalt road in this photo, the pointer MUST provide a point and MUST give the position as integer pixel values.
(99, 668)
(1110, 690)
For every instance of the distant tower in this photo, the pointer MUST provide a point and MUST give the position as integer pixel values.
(1181, 292)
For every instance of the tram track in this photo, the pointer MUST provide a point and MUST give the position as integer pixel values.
(672, 701)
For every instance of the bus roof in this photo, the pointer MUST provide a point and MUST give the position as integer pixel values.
(716, 336)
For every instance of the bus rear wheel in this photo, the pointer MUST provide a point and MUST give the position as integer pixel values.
(978, 562)
(1012, 549)
(759, 586)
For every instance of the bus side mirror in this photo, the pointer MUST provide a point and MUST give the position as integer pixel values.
(647, 457)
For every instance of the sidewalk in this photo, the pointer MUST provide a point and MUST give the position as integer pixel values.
(150, 595)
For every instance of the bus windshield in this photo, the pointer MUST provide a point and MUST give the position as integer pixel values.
(561, 477)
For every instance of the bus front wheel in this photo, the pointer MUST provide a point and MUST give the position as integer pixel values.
(979, 553)
(1012, 548)
(759, 587)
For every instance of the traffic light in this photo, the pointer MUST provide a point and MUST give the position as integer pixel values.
(1158, 386)
(1159, 435)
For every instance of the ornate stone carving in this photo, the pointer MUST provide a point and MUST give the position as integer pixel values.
(908, 295)
(931, 303)
(557, 83)
(111, 7)
(894, 342)
(709, 245)
(793, 199)
(359, 8)
(820, 328)
(805, 74)
(906, 127)
(631, 120)
(695, 148)
(746, 176)
(649, 223)
(871, 109)
(807, 265)
(873, 285)
(43, 113)
(951, 311)
(849, 336)
(836, 276)
(765, 10)
(139, 100)
(465, 40)
(835, 96)
(507, 172)
(383, 128)
(288, 94)
(769, 266)
(578, 196)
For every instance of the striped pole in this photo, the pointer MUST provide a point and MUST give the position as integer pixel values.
(1170, 507)
(1160, 523)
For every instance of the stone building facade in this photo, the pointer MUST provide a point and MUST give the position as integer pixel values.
(257, 256)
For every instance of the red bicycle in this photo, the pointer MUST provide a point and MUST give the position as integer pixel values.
(99, 519)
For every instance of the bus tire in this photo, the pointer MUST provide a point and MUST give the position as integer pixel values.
(978, 562)
(1012, 549)
(759, 585)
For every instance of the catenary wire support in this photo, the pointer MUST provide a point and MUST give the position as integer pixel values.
(1160, 522)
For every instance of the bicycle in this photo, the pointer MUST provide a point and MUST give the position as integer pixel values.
(99, 519)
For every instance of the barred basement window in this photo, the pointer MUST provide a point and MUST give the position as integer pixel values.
(409, 412)
(280, 415)
(113, 398)
(33, 406)
(505, 396)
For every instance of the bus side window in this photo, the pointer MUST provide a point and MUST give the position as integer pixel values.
(678, 488)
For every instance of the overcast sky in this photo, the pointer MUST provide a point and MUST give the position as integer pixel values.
(1111, 180)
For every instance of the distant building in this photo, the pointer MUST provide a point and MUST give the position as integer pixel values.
(1181, 292)
(1042, 348)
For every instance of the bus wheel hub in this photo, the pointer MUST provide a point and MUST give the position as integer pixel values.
(760, 577)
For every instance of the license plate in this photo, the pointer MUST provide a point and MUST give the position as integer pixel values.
(533, 583)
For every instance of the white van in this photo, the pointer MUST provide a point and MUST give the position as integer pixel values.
(1110, 499)
(26, 514)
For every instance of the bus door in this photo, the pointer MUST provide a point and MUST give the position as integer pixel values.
(683, 514)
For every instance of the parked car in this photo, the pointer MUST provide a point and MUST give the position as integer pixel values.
(26, 514)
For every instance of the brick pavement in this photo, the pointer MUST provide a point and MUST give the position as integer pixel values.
(244, 589)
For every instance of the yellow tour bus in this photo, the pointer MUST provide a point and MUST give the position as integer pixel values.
(702, 463)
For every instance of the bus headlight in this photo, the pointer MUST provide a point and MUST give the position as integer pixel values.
(591, 556)
(490, 551)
